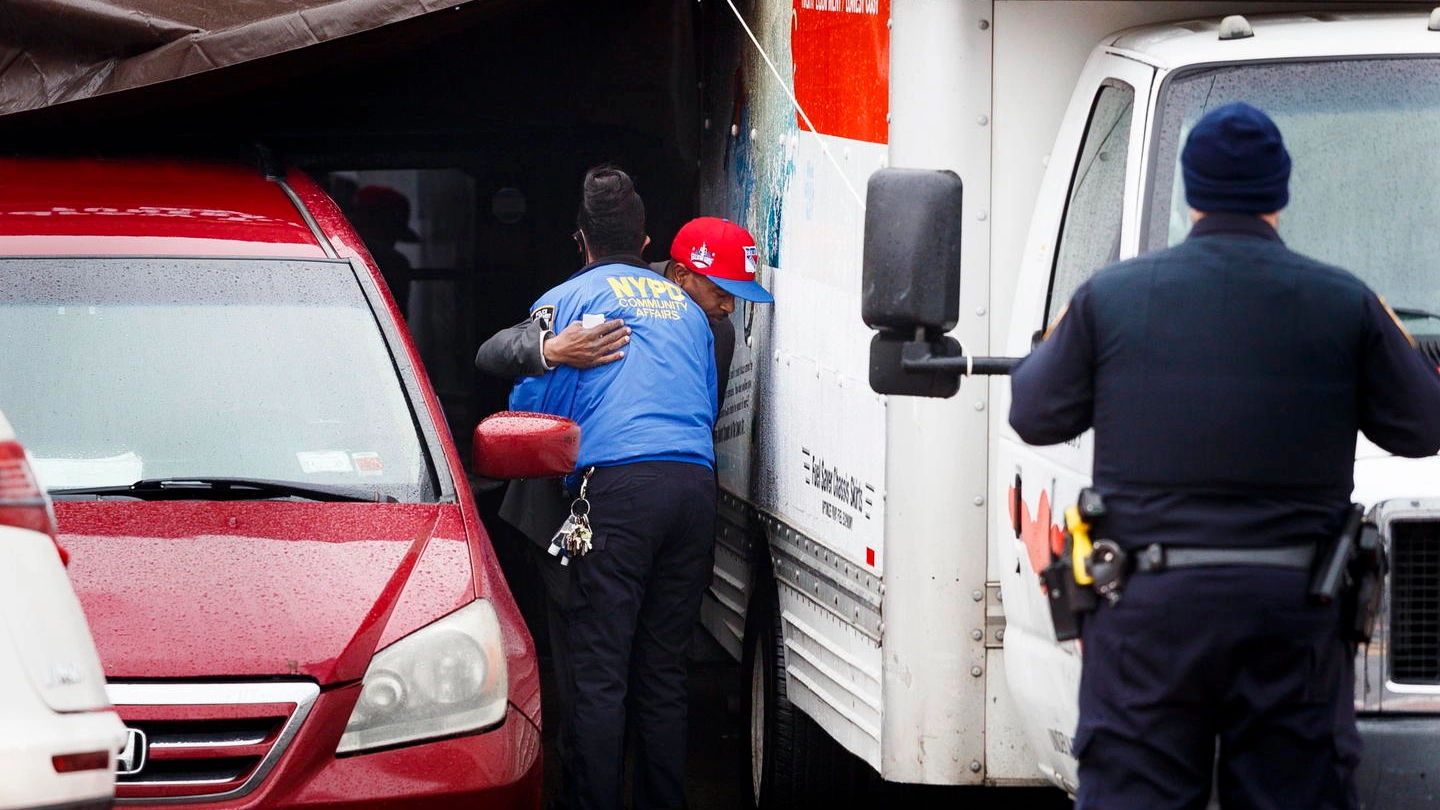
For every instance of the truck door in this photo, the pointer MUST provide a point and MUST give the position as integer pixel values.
(1088, 211)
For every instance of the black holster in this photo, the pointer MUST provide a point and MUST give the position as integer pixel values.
(1351, 568)
(1368, 568)
(1063, 593)
(1069, 600)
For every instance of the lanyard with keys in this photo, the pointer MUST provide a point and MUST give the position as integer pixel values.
(572, 539)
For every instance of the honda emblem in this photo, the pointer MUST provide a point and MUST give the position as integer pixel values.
(132, 757)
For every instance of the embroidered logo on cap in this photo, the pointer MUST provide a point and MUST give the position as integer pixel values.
(752, 259)
(701, 256)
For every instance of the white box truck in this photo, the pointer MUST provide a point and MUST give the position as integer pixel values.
(877, 557)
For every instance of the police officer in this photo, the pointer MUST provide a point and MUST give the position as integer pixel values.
(1226, 378)
(713, 261)
(646, 460)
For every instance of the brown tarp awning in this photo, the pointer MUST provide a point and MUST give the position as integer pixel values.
(58, 51)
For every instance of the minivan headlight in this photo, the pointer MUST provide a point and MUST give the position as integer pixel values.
(449, 677)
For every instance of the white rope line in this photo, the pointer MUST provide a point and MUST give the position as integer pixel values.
(796, 103)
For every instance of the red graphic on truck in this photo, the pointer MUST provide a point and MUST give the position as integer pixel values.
(1040, 544)
(842, 67)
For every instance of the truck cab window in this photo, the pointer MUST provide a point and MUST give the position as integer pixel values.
(1090, 234)
(1362, 189)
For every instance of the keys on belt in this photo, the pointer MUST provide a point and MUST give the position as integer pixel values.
(1157, 557)
(573, 537)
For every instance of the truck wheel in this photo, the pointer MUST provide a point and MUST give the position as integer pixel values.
(787, 748)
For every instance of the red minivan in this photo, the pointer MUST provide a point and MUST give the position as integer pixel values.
(271, 533)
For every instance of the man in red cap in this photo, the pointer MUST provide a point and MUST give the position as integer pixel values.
(717, 262)
(714, 261)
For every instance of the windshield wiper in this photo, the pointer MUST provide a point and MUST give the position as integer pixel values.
(219, 489)
(1411, 312)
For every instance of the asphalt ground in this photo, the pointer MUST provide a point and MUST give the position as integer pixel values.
(718, 775)
(718, 771)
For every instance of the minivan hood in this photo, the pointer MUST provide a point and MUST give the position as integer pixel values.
(207, 589)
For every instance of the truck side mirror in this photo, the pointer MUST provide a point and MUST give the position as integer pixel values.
(516, 444)
(911, 278)
(911, 285)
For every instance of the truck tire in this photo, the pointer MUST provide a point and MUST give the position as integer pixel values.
(794, 764)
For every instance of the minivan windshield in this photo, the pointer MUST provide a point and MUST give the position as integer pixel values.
(1361, 135)
(121, 370)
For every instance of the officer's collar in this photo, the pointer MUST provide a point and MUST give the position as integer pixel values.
(1228, 222)
(619, 258)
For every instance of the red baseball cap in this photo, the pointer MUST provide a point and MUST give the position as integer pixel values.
(723, 252)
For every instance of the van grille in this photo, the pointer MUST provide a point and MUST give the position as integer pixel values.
(1415, 602)
(206, 742)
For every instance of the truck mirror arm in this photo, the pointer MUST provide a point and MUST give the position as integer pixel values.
(916, 355)
(925, 363)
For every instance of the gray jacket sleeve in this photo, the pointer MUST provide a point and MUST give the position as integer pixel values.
(724, 354)
(514, 352)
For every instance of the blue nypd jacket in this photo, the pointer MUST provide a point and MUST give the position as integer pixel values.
(658, 402)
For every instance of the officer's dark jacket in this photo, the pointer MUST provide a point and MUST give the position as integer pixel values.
(1226, 378)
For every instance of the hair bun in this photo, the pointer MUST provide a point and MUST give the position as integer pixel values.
(606, 189)
(611, 214)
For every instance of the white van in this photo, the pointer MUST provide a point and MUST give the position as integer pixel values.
(59, 736)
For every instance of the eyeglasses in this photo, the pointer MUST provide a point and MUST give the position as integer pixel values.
(579, 237)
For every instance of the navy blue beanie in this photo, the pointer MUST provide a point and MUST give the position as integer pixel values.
(1234, 160)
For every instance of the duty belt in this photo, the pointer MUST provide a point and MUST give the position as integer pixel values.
(1156, 557)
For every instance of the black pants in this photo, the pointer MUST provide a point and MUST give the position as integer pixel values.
(628, 618)
(1229, 662)
(556, 581)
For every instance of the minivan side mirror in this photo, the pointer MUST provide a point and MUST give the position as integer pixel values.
(517, 444)
(911, 284)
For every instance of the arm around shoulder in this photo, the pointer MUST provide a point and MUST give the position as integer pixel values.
(516, 351)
